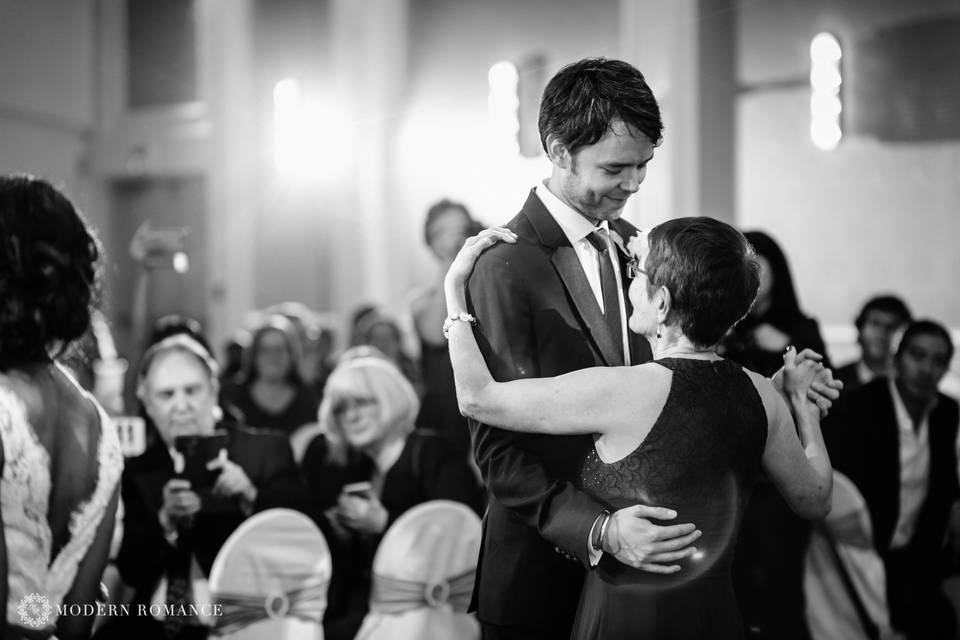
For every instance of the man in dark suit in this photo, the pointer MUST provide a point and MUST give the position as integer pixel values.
(170, 525)
(878, 322)
(896, 439)
(552, 303)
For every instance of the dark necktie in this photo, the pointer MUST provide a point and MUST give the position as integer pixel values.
(179, 589)
(608, 284)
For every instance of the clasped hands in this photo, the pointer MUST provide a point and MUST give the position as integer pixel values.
(359, 514)
(805, 372)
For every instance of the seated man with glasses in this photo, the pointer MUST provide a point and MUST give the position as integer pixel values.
(184, 498)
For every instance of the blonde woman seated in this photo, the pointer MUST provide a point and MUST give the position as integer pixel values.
(689, 431)
(369, 467)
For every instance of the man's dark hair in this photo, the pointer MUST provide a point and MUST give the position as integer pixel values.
(710, 270)
(887, 304)
(584, 98)
(925, 328)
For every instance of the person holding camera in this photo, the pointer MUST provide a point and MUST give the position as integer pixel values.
(191, 489)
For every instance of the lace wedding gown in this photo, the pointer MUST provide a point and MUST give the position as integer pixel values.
(37, 583)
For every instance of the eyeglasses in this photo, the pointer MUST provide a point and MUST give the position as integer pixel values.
(633, 268)
(341, 407)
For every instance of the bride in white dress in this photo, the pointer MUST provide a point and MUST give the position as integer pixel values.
(60, 458)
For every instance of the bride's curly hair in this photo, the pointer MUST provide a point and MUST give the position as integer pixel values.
(48, 271)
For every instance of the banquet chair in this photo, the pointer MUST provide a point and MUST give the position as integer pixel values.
(845, 585)
(423, 574)
(270, 579)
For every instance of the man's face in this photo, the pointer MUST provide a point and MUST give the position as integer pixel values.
(921, 365)
(877, 333)
(598, 179)
(179, 396)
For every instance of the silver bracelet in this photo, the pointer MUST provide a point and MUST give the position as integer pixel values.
(463, 316)
(603, 529)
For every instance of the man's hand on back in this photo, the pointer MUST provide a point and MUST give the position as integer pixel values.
(633, 540)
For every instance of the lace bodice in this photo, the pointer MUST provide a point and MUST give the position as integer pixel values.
(700, 458)
(24, 500)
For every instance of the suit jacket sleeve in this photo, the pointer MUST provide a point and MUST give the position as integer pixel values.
(514, 476)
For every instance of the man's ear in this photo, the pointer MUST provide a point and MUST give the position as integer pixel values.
(558, 152)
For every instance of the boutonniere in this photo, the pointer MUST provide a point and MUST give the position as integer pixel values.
(637, 246)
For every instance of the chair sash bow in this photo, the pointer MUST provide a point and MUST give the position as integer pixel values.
(392, 595)
(238, 611)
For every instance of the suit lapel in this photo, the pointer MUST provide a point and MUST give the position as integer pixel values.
(568, 267)
(888, 458)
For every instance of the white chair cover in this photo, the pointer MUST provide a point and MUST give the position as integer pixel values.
(423, 576)
(831, 612)
(271, 578)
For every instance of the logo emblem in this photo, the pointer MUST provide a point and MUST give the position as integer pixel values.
(34, 610)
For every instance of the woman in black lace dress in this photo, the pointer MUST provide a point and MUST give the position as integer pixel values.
(690, 431)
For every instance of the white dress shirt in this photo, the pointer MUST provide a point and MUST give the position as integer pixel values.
(577, 228)
(914, 469)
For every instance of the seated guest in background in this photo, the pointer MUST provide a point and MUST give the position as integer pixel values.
(896, 439)
(768, 563)
(270, 393)
(368, 414)
(448, 224)
(234, 348)
(174, 530)
(878, 322)
(304, 322)
(381, 331)
(357, 317)
(174, 324)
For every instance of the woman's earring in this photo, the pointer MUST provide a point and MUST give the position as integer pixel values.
(659, 330)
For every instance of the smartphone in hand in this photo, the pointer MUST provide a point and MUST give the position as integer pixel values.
(358, 489)
(197, 452)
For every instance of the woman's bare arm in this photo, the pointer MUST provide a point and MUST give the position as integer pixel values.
(795, 456)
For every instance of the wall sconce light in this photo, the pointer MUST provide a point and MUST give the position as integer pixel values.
(825, 81)
(503, 106)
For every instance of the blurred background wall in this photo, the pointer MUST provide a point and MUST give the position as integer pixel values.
(301, 141)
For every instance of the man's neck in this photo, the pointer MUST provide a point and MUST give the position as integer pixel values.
(553, 186)
(879, 367)
(917, 406)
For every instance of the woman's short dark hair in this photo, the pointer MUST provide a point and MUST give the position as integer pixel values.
(711, 272)
(438, 209)
(925, 328)
(48, 271)
(585, 98)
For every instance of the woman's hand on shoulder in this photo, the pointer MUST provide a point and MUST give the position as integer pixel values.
(462, 265)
